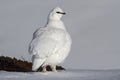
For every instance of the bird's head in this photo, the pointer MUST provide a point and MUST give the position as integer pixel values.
(56, 14)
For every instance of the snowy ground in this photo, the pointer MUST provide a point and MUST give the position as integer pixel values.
(63, 75)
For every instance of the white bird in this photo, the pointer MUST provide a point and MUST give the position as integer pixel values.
(50, 44)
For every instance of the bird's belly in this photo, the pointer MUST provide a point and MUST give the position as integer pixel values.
(59, 56)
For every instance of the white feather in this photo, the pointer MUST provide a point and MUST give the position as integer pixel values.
(50, 44)
(35, 61)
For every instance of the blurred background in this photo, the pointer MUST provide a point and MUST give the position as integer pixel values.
(94, 26)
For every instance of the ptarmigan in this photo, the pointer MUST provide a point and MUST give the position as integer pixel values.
(50, 44)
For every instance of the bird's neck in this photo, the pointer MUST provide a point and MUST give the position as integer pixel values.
(56, 24)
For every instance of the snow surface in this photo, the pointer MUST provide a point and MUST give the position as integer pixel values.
(63, 75)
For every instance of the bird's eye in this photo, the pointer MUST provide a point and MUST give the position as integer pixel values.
(58, 12)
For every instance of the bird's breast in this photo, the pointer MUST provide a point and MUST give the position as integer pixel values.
(56, 34)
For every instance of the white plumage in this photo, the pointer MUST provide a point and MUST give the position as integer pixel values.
(50, 44)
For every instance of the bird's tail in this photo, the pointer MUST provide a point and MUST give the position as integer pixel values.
(36, 63)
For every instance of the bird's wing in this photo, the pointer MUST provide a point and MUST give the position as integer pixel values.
(37, 33)
(48, 44)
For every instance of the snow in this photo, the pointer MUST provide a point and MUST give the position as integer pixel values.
(63, 75)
